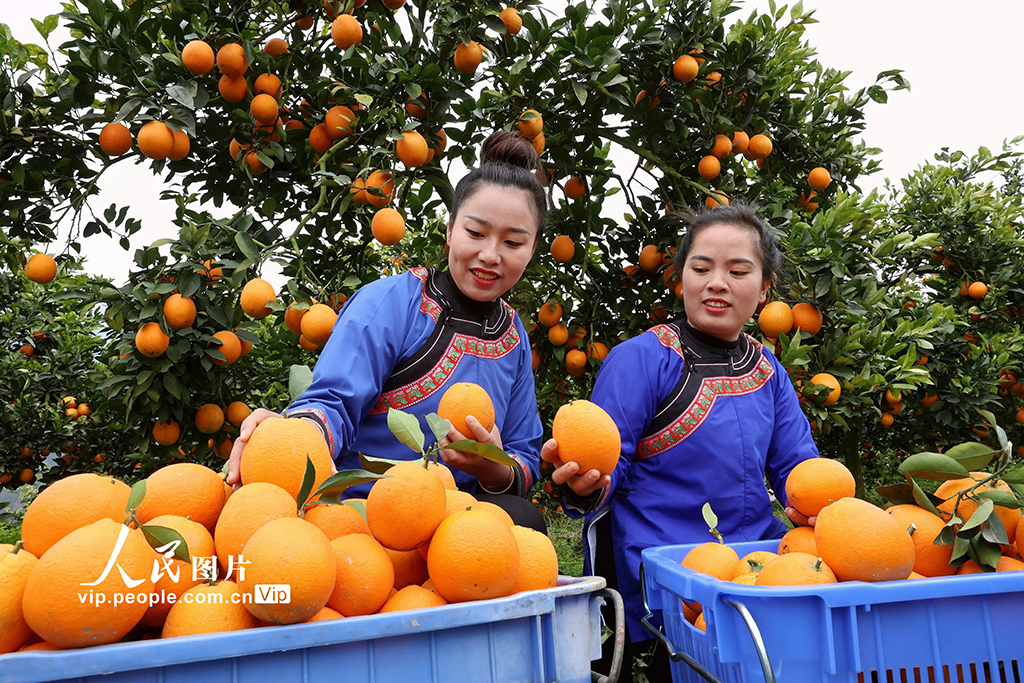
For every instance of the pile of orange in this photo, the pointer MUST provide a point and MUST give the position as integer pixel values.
(415, 542)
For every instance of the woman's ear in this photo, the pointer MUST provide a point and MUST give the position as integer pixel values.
(764, 290)
(448, 232)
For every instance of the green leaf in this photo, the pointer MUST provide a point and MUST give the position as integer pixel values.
(377, 465)
(341, 481)
(484, 450)
(1013, 476)
(961, 551)
(438, 425)
(406, 429)
(358, 504)
(135, 497)
(581, 92)
(160, 536)
(710, 518)
(249, 248)
(181, 94)
(46, 26)
(299, 379)
(978, 518)
(897, 494)
(933, 466)
(973, 456)
(1001, 498)
(994, 531)
(922, 498)
(987, 553)
(308, 479)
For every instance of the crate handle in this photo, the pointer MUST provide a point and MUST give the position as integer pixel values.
(620, 637)
(679, 656)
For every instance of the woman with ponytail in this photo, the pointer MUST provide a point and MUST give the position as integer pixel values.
(401, 341)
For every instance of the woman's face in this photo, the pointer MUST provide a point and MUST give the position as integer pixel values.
(722, 280)
(491, 240)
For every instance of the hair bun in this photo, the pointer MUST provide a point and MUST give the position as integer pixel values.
(509, 147)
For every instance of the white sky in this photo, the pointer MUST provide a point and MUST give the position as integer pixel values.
(963, 63)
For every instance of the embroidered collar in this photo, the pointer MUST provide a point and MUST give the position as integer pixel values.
(694, 337)
(461, 303)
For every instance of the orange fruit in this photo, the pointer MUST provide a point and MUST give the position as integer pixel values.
(977, 290)
(382, 181)
(364, 576)
(410, 567)
(156, 140)
(538, 561)
(320, 138)
(404, 509)
(587, 435)
(388, 226)
(441, 143)
(817, 482)
(412, 597)
(819, 178)
(275, 47)
(550, 313)
(473, 556)
(759, 147)
(886, 420)
(444, 473)
(538, 143)
(318, 323)
(338, 122)
(151, 341)
(41, 268)
(115, 139)
(563, 249)
(197, 56)
(754, 562)
(293, 318)
(495, 510)
(748, 579)
(740, 140)
(597, 350)
(806, 317)
(326, 614)
(233, 89)
(267, 84)
(412, 149)
(51, 605)
(231, 60)
(775, 319)
(346, 31)
(418, 107)
(277, 450)
(930, 559)
(186, 490)
(230, 347)
(715, 559)
(575, 362)
(293, 552)
(558, 335)
(264, 109)
(709, 167)
(722, 146)
(650, 258)
(832, 383)
(1005, 564)
(336, 520)
(199, 543)
(795, 569)
(166, 433)
(209, 609)
(513, 22)
(531, 123)
(69, 504)
(948, 490)
(861, 542)
(181, 145)
(256, 294)
(14, 572)
(248, 509)
(799, 540)
(209, 418)
(456, 500)
(929, 400)
(685, 69)
(575, 189)
(463, 399)
(179, 311)
(468, 57)
(236, 412)
(715, 199)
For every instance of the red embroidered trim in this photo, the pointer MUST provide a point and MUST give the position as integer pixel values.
(668, 338)
(700, 408)
(434, 380)
(527, 477)
(427, 305)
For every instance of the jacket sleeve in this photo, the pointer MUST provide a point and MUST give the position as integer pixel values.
(791, 441)
(627, 387)
(359, 356)
(522, 432)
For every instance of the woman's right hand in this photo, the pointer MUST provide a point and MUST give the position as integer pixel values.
(244, 432)
(582, 483)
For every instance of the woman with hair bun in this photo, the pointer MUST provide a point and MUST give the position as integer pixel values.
(401, 341)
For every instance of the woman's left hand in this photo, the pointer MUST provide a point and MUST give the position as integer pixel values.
(492, 475)
(799, 518)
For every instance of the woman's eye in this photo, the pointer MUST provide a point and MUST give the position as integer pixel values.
(739, 273)
(513, 244)
(474, 233)
(700, 270)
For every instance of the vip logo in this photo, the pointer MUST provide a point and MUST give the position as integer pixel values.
(272, 594)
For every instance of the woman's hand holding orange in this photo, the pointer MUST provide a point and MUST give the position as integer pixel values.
(582, 483)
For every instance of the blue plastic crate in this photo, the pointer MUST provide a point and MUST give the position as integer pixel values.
(548, 635)
(962, 628)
